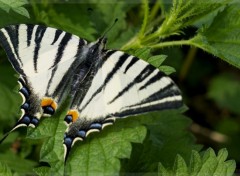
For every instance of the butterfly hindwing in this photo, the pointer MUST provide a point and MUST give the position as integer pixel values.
(45, 59)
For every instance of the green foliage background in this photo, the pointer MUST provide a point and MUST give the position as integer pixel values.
(191, 36)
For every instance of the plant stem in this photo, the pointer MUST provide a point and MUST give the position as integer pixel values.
(134, 43)
(171, 43)
(154, 11)
(145, 19)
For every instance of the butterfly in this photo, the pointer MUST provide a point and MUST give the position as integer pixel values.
(103, 85)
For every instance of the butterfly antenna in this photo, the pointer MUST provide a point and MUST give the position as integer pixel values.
(109, 28)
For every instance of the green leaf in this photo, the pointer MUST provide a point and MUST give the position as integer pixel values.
(75, 18)
(167, 69)
(180, 166)
(16, 163)
(102, 21)
(157, 60)
(5, 170)
(167, 137)
(162, 171)
(101, 154)
(222, 37)
(42, 171)
(208, 164)
(16, 6)
(195, 163)
(143, 53)
(60, 17)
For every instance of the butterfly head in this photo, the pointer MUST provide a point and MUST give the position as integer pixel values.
(96, 48)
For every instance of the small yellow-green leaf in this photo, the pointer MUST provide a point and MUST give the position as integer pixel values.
(180, 167)
(195, 163)
(5, 170)
(157, 60)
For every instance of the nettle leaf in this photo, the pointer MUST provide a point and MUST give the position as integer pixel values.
(42, 171)
(91, 24)
(5, 170)
(157, 60)
(143, 53)
(16, 6)
(225, 91)
(167, 69)
(221, 38)
(207, 164)
(167, 137)
(105, 23)
(65, 16)
(16, 163)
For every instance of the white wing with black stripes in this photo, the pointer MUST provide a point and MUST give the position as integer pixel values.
(45, 59)
(119, 85)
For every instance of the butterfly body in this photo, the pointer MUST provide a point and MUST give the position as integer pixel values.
(103, 85)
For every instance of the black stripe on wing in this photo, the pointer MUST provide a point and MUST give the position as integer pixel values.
(133, 61)
(38, 38)
(168, 91)
(29, 34)
(160, 106)
(62, 46)
(13, 35)
(155, 78)
(65, 81)
(57, 34)
(109, 76)
(12, 53)
(139, 78)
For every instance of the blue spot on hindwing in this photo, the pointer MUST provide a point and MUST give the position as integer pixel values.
(25, 120)
(81, 133)
(25, 106)
(68, 119)
(25, 92)
(48, 110)
(35, 121)
(68, 141)
(96, 126)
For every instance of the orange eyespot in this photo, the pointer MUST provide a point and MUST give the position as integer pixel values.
(74, 114)
(49, 102)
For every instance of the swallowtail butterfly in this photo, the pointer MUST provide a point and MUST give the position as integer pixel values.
(103, 84)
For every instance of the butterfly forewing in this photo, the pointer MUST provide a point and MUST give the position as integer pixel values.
(45, 59)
